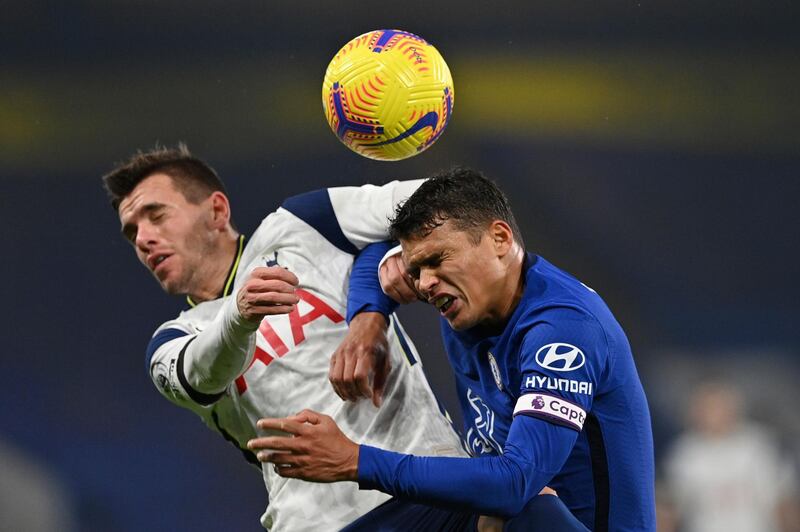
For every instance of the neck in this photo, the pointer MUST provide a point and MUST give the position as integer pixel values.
(216, 268)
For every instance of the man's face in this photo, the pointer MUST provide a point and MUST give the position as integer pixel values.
(456, 275)
(169, 234)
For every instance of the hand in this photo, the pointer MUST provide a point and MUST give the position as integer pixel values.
(396, 281)
(490, 523)
(266, 292)
(361, 364)
(315, 450)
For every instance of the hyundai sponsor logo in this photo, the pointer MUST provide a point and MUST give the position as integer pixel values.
(560, 357)
(540, 382)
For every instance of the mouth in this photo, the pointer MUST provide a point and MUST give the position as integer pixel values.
(443, 303)
(154, 261)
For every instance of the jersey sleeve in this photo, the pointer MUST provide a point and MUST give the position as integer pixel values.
(351, 217)
(365, 293)
(498, 485)
(165, 359)
(167, 363)
(562, 361)
(193, 367)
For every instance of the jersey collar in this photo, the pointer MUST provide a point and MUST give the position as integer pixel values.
(227, 288)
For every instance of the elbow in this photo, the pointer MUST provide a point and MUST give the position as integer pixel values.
(523, 486)
(212, 371)
(218, 380)
(209, 382)
(512, 507)
(210, 386)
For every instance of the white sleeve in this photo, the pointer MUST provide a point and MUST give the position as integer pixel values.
(398, 249)
(221, 352)
(195, 367)
(363, 213)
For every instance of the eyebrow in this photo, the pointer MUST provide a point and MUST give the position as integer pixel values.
(144, 209)
(414, 265)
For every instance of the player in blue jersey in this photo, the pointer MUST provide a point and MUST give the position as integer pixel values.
(544, 372)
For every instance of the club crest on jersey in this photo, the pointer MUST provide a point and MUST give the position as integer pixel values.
(560, 357)
(495, 371)
(273, 261)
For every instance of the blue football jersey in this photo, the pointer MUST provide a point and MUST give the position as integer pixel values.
(563, 359)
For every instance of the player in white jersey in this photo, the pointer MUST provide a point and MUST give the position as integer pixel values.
(267, 314)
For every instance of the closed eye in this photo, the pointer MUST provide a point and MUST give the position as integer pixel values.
(129, 232)
(431, 261)
(155, 212)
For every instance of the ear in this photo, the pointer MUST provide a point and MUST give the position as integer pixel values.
(502, 237)
(220, 210)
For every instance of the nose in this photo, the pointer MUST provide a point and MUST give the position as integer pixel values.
(427, 281)
(145, 237)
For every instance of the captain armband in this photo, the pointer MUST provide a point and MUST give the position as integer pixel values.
(551, 408)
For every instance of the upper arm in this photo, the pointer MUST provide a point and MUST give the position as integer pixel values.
(540, 448)
(166, 366)
(363, 213)
(351, 218)
(562, 362)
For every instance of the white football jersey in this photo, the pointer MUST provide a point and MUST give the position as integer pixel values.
(314, 235)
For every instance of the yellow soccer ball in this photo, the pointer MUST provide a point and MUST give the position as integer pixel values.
(388, 94)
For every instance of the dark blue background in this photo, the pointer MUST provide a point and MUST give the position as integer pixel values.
(686, 223)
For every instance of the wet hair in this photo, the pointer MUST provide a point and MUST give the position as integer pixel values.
(463, 196)
(195, 179)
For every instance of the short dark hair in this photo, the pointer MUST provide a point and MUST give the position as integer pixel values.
(195, 179)
(461, 195)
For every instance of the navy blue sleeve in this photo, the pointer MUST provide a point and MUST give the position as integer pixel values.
(497, 485)
(365, 293)
(562, 362)
(158, 340)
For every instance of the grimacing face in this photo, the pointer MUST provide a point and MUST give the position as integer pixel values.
(460, 278)
(169, 234)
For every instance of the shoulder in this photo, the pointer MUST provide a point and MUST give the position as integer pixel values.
(548, 287)
(557, 339)
(560, 318)
(316, 209)
(556, 305)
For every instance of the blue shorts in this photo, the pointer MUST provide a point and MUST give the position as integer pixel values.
(544, 512)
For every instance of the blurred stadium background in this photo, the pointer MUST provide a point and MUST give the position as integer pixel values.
(650, 148)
